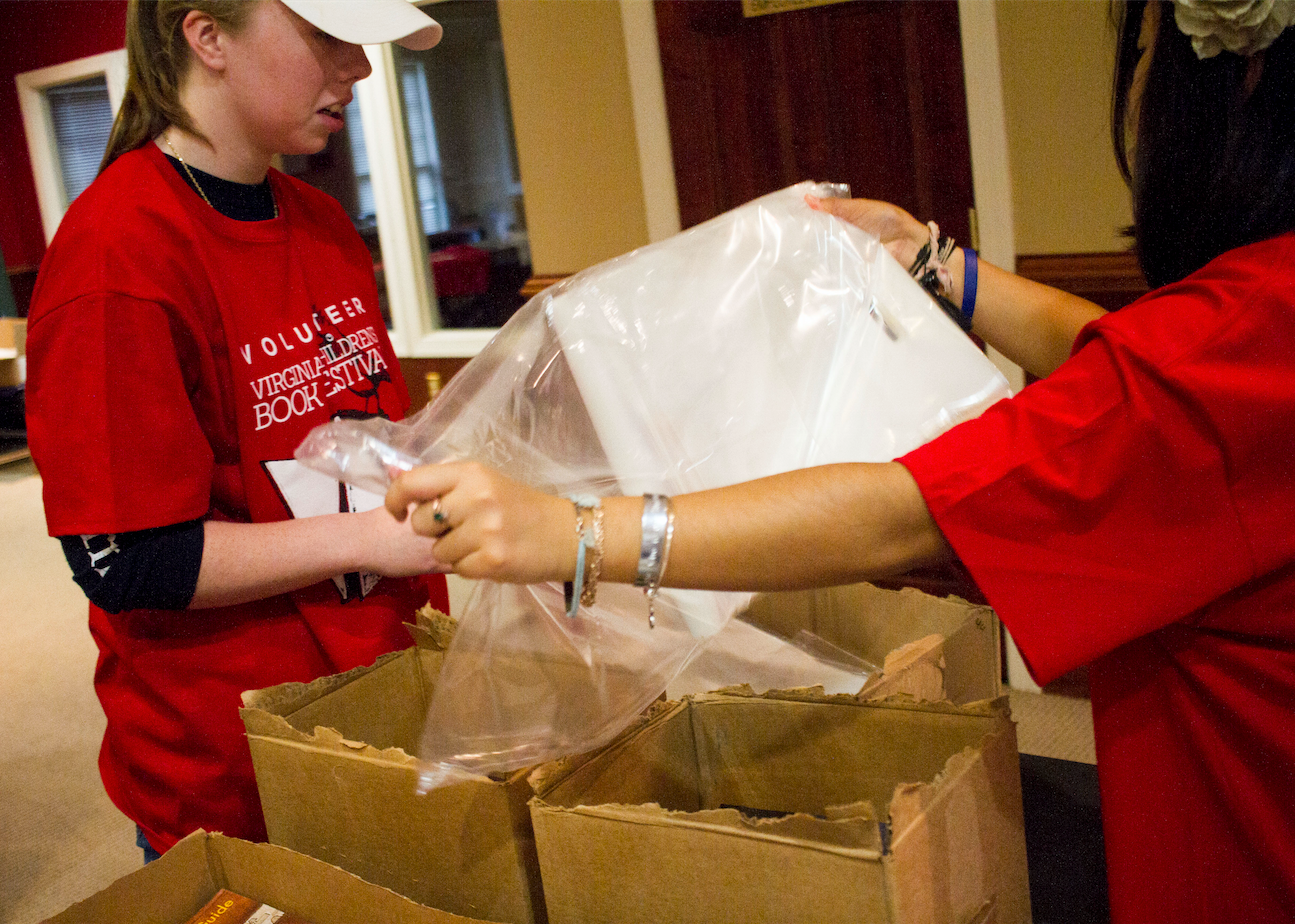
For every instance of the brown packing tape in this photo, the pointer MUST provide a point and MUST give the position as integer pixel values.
(957, 841)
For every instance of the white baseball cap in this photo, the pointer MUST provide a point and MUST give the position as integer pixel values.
(370, 22)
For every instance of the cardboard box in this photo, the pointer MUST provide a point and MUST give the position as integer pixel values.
(899, 812)
(13, 348)
(337, 780)
(172, 889)
(928, 647)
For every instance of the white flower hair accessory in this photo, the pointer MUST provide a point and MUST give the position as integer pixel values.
(1243, 27)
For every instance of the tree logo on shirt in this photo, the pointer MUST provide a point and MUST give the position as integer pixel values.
(314, 363)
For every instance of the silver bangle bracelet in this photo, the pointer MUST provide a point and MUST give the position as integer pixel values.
(651, 552)
(654, 551)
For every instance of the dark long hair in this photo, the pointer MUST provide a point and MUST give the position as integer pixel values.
(1213, 161)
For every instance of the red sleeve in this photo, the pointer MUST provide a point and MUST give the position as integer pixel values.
(110, 424)
(1093, 508)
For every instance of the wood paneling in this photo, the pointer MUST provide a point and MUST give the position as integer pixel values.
(865, 93)
(1112, 280)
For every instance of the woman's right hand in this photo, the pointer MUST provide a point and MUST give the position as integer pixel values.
(486, 525)
(900, 233)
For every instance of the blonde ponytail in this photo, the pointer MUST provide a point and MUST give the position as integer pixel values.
(157, 61)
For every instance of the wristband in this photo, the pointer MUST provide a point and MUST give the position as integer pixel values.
(589, 553)
(969, 285)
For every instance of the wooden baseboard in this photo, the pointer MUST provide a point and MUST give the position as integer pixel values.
(1111, 279)
(537, 284)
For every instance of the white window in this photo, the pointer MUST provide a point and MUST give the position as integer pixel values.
(427, 169)
(442, 167)
(67, 112)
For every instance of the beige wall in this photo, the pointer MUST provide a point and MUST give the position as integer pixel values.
(574, 117)
(1057, 58)
(569, 87)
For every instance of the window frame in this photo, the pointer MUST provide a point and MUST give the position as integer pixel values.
(39, 126)
(415, 322)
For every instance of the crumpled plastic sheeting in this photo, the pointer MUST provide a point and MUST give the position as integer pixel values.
(771, 338)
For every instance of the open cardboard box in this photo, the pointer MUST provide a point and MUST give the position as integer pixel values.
(337, 777)
(172, 889)
(918, 640)
(790, 808)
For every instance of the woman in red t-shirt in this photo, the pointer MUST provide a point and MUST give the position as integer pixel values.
(197, 313)
(1131, 510)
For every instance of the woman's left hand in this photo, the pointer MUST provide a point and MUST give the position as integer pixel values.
(487, 525)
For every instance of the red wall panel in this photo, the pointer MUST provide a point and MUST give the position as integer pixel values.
(36, 34)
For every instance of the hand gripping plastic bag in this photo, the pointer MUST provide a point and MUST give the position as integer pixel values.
(770, 338)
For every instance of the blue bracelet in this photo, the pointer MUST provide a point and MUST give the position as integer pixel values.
(969, 285)
(573, 590)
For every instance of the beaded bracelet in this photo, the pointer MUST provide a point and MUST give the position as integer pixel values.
(589, 554)
(932, 275)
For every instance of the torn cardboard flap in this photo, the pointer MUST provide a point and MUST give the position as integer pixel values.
(871, 624)
(432, 629)
(432, 632)
(916, 669)
(173, 888)
(688, 783)
(338, 781)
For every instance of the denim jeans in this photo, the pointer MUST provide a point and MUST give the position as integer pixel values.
(142, 842)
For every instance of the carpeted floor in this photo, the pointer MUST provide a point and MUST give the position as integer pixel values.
(61, 840)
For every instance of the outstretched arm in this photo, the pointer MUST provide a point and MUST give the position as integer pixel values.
(1031, 324)
(813, 527)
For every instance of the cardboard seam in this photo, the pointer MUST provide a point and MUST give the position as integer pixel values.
(681, 819)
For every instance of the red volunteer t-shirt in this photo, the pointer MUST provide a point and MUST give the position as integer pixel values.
(176, 359)
(1136, 511)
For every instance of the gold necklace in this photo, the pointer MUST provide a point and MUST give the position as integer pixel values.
(198, 186)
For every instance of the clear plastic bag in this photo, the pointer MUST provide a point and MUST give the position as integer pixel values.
(770, 338)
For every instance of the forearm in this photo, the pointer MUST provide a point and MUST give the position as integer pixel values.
(251, 561)
(1033, 325)
(809, 528)
(813, 527)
